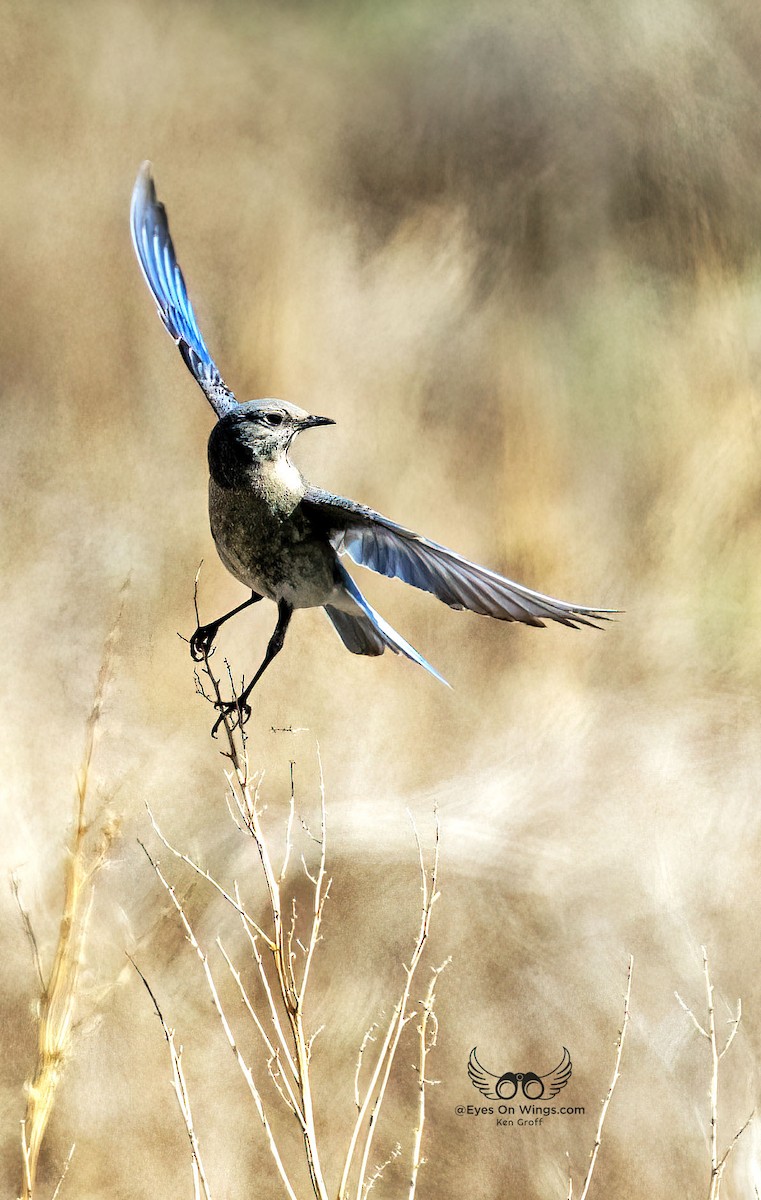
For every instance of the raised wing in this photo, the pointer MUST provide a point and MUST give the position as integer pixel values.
(155, 252)
(373, 541)
(482, 1079)
(555, 1080)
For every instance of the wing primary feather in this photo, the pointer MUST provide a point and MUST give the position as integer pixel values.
(373, 541)
(158, 262)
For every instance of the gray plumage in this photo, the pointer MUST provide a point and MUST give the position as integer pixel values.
(283, 538)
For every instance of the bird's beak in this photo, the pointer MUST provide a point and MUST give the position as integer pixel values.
(312, 422)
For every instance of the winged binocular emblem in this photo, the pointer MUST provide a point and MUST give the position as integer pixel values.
(507, 1085)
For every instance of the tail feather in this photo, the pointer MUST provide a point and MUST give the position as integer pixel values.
(356, 631)
(367, 628)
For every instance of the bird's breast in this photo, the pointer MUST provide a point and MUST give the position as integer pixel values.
(271, 550)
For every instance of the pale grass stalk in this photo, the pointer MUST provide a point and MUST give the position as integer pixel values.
(286, 975)
(428, 1031)
(718, 1162)
(86, 853)
(242, 1064)
(292, 991)
(376, 1089)
(609, 1094)
(288, 1096)
(200, 1181)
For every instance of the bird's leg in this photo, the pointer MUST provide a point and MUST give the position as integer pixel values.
(239, 705)
(202, 639)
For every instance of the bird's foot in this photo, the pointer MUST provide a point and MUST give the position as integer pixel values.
(202, 641)
(238, 709)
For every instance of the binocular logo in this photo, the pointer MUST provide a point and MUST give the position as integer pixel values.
(507, 1085)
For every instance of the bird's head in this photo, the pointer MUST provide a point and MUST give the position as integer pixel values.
(267, 427)
(255, 433)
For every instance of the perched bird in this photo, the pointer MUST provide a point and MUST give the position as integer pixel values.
(281, 536)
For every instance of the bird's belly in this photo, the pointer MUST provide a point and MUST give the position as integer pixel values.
(277, 556)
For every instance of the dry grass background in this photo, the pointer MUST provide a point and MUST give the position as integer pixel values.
(513, 248)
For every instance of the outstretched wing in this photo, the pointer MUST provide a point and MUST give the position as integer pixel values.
(481, 1079)
(375, 542)
(155, 252)
(555, 1080)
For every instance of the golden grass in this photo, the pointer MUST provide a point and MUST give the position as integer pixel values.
(90, 844)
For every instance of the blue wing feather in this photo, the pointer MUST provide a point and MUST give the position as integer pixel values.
(155, 253)
(374, 541)
(389, 636)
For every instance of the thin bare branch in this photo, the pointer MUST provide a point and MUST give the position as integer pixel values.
(274, 1053)
(199, 870)
(288, 828)
(718, 1162)
(613, 1082)
(64, 1172)
(376, 1089)
(703, 1032)
(179, 1085)
(379, 1170)
(734, 1022)
(242, 1064)
(428, 1031)
(268, 992)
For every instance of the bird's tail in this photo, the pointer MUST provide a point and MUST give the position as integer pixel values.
(364, 631)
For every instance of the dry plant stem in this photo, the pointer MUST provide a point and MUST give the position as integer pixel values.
(285, 977)
(376, 1088)
(613, 1082)
(200, 1182)
(295, 1092)
(428, 1030)
(292, 990)
(58, 993)
(64, 1172)
(232, 752)
(242, 1064)
(717, 1163)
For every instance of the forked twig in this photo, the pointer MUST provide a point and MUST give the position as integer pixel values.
(428, 1032)
(284, 947)
(375, 1092)
(718, 1162)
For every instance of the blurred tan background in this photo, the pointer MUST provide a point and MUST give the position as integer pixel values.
(513, 249)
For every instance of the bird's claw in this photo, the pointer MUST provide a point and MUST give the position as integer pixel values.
(237, 708)
(202, 642)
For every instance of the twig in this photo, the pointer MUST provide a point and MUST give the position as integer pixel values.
(613, 1082)
(376, 1088)
(379, 1170)
(204, 875)
(64, 1172)
(292, 943)
(242, 1064)
(200, 1182)
(718, 1163)
(428, 1031)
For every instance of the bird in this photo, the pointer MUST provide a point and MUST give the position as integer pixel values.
(284, 538)
(533, 1086)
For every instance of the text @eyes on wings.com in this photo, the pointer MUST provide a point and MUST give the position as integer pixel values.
(519, 1114)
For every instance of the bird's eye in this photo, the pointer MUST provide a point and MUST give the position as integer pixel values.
(274, 418)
